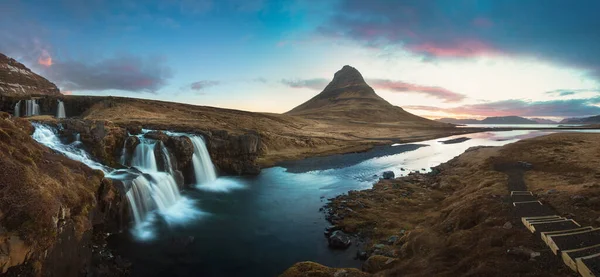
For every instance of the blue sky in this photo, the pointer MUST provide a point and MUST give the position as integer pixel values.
(461, 58)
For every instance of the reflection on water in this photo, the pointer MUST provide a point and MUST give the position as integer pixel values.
(261, 225)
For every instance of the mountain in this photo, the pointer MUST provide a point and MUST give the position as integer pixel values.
(17, 80)
(583, 120)
(507, 120)
(543, 120)
(349, 97)
(459, 121)
(491, 120)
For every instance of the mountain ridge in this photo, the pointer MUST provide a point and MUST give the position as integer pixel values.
(16, 80)
(513, 119)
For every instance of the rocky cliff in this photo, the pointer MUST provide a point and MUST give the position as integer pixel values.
(50, 207)
(16, 80)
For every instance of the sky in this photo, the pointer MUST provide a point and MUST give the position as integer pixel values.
(435, 58)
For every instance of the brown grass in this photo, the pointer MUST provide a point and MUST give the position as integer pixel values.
(36, 184)
(451, 223)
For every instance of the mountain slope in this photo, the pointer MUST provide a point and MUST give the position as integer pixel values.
(491, 120)
(349, 97)
(17, 80)
(583, 120)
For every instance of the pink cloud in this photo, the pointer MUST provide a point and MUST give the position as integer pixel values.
(462, 49)
(399, 86)
(45, 59)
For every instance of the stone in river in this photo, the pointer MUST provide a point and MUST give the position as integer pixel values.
(388, 175)
(339, 240)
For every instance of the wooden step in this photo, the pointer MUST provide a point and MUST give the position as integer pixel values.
(526, 219)
(547, 219)
(516, 192)
(545, 235)
(523, 198)
(570, 256)
(573, 240)
(532, 224)
(556, 226)
(589, 266)
(531, 209)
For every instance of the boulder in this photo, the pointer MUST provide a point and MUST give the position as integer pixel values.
(182, 148)
(339, 240)
(388, 175)
(378, 263)
(157, 135)
(134, 129)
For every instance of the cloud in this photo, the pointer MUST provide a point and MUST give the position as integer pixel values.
(399, 86)
(204, 84)
(45, 59)
(127, 73)
(558, 108)
(567, 92)
(463, 28)
(315, 83)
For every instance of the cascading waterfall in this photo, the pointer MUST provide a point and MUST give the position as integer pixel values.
(150, 190)
(143, 156)
(204, 170)
(32, 108)
(60, 111)
(18, 109)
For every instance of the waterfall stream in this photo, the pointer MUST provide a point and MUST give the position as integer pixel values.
(204, 170)
(31, 108)
(18, 109)
(60, 110)
(149, 189)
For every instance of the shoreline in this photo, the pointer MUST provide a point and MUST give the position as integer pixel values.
(458, 220)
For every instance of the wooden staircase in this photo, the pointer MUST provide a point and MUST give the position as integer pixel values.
(579, 247)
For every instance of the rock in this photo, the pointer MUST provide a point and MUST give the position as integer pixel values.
(341, 273)
(330, 229)
(578, 198)
(379, 246)
(339, 240)
(507, 225)
(362, 255)
(183, 150)
(378, 263)
(392, 239)
(525, 165)
(388, 175)
(134, 129)
(523, 253)
(130, 144)
(157, 135)
(551, 191)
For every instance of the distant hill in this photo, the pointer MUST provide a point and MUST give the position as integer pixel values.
(543, 121)
(459, 121)
(349, 97)
(583, 120)
(17, 80)
(491, 120)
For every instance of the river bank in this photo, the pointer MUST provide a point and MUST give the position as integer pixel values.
(457, 219)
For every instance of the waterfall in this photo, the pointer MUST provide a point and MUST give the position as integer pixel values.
(143, 156)
(18, 109)
(60, 111)
(149, 190)
(166, 158)
(32, 108)
(204, 170)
